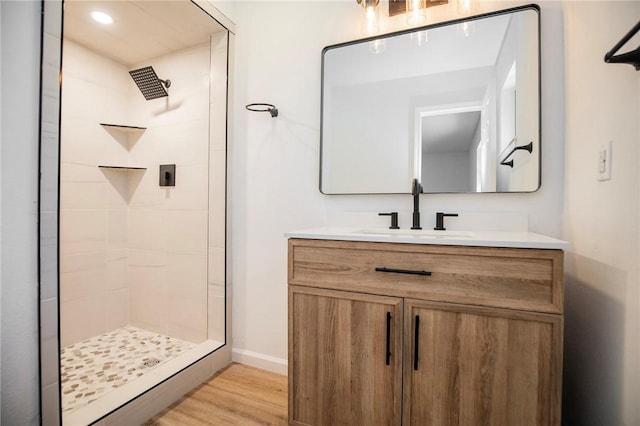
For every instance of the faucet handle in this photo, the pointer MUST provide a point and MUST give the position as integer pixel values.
(440, 220)
(394, 219)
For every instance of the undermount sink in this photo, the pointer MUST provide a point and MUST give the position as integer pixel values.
(417, 233)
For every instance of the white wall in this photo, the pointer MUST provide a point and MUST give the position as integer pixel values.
(379, 146)
(447, 171)
(274, 162)
(601, 220)
(20, 52)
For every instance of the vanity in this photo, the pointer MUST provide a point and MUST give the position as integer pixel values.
(424, 328)
(415, 327)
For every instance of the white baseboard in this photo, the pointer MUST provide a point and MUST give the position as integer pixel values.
(258, 360)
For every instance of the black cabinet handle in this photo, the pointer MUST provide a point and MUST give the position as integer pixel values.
(388, 354)
(416, 343)
(404, 271)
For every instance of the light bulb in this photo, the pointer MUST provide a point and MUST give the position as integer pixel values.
(416, 12)
(465, 7)
(370, 24)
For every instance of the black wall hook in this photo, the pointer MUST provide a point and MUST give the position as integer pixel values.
(528, 147)
(631, 58)
(262, 107)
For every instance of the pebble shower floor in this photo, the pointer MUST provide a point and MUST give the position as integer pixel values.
(101, 364)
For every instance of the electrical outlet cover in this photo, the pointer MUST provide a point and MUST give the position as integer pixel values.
(604, 161)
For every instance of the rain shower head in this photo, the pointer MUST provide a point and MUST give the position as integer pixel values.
(149, 83)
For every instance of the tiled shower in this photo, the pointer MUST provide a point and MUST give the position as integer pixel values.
(142, 266)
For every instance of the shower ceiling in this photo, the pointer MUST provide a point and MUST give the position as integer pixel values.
(142, 30)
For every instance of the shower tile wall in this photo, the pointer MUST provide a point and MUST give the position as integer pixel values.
(168, 225)
(133, 252)
(93, 255)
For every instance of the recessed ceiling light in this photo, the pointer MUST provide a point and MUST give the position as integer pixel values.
(101, 17)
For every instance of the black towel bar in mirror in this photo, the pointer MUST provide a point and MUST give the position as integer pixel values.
(506, 162)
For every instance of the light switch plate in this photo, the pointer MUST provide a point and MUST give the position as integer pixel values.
(604, 161)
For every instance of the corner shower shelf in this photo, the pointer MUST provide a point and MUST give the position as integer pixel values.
(123, 128)
(123, 168)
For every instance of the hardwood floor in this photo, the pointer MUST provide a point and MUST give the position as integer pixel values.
(238, 395)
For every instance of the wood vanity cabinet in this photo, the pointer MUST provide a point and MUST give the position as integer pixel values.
(346, 357)
(437, 335)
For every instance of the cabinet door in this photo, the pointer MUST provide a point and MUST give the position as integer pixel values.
(467, 365)
(345, 358)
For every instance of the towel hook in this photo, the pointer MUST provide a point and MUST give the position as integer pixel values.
(631, 58)
(528, 147)
(263, 107)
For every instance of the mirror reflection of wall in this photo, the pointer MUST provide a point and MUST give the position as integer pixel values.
(449, 145)
(381, 110)
(508, 109)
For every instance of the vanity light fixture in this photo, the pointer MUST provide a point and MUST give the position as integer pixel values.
(371, 17)
(101, 17)
(398, 7)
(416, 12)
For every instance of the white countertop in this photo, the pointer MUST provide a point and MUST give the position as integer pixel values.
(425, 236)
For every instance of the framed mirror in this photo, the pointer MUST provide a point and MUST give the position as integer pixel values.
(455, 105)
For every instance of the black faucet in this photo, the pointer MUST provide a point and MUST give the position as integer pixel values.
(394, 219)
(416, 190)
(440, 220)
